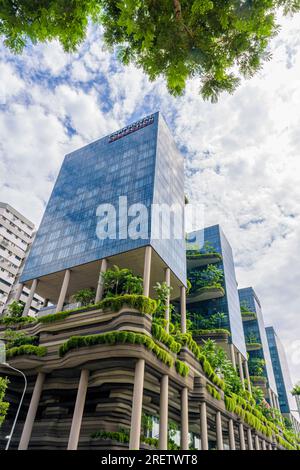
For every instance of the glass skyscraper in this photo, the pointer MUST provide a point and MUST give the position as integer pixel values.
(229, 303)
(140, 162)
(281, 372)
(254, 329)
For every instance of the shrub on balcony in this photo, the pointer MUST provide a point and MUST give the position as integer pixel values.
(140, 302)
(18, 338)
(117, 337)
(117, 281)
(17, 321)
(85, 296)
(210, 277)
(27, 350)
(256, 366)
(4, 405)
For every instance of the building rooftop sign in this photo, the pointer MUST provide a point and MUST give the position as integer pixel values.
(132, 128)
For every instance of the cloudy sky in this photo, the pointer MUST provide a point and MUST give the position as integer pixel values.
(242, 154)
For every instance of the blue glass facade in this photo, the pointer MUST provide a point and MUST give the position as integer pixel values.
(141, 162)
(229, 304)
(256, 328)
(281, 372)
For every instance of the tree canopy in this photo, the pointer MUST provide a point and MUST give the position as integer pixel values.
(215, 40)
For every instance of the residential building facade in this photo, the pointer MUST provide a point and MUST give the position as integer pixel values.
(16, 236)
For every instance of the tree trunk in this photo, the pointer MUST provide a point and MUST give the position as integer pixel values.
(177, 7)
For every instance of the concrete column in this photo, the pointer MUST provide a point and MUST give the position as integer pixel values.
(232, 355)
(277, 402)
(45, 303)
(203, 424)
(231, 435)
(219, 432)
(31, 414)
(78, 410)
(100, 286)
(147, 271)
(19, 292)
(247, 376)
(242, 437)
(163, 413)
(240, 363)
(63, 291)
(167, 313)
(256, 442)
(264, 445)
(270, 447)
(30, 297)
(249, 438)
(184, 436)
(183, 309)
(271, 399)
(137, 405)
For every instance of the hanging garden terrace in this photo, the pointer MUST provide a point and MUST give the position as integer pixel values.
(108, 373)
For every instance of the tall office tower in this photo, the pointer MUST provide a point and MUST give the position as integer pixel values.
(287, 402)
(16, 235)
(79, 228)
(260, 365)
(213, 297)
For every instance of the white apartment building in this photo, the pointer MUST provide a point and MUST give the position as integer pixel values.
(16, 236)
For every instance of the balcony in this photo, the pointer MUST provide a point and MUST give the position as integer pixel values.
(206, 293)
(248, 315)
(196, 259)
(253, 346)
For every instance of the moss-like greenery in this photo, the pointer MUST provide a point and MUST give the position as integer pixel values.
(4, 405)
(194, 255)
(213, 392)
(26, 349)
(258, 378)
(161, 335)
(212, 331)
(11, 321)
(187, 340)
(117, 337)
(182, 368)
(140, 302)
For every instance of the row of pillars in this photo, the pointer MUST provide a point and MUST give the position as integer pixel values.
(257, 445)
(136, 415)
(242, 367)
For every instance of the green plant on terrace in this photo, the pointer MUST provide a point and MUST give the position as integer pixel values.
(163, 291)
(15, 309)
(18, 338)
(85, 296)
(252, 338)
(256, 366)
(221, 365)
(211, 276)
(119, 281)
(296, 390)
(4, 405)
